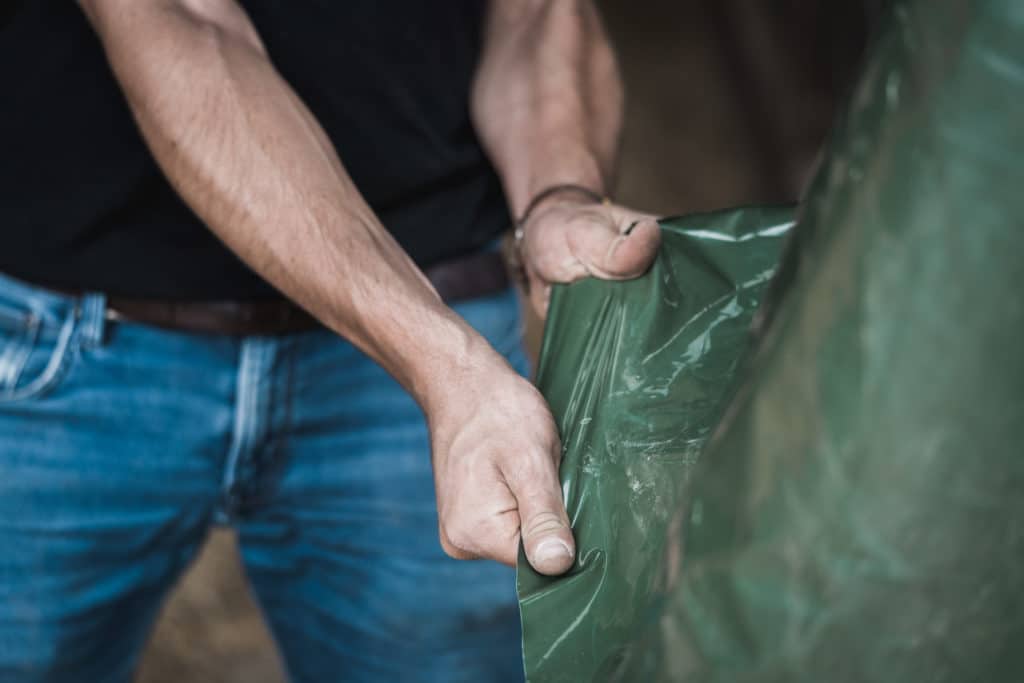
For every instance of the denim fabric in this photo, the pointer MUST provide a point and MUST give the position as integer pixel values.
(120, 444)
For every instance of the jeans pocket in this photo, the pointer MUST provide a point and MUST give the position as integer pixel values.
(499, 319)
(34, 352)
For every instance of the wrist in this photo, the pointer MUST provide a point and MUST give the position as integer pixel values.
(463, 365)
(561, 194)
(549, 158)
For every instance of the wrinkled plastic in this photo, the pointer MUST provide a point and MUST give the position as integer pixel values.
(637, 373)
(858, 514)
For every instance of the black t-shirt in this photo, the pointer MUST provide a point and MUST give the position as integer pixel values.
(83, 204)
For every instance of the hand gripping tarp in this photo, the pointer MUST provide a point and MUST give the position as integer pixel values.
(858, 513)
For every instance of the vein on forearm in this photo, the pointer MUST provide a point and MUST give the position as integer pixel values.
(250, 159)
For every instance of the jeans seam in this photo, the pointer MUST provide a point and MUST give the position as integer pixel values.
(245, 429)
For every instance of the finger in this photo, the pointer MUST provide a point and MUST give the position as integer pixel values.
(544, 524)
(472, 532)
(453, 551)
(538, 293)
(492, 538)
(500, 539)
(540, 296)
(545, 533)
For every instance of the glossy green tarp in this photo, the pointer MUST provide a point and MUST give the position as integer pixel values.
(858, 514)
(637, 374)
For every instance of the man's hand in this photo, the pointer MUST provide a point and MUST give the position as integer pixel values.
(496, 453)
(250, 159)
(547, 104)
(566, 239)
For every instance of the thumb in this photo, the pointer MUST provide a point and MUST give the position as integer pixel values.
(544, 525)
(623, 250)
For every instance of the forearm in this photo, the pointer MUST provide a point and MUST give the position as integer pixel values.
(250, 159)
(547, 101)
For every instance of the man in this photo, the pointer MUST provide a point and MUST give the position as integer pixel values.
(152, 385)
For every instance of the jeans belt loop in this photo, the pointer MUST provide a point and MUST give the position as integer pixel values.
(92, 319)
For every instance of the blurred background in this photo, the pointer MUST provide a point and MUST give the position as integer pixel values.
(729, 102)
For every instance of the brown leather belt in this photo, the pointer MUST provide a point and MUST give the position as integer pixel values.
(470, 277)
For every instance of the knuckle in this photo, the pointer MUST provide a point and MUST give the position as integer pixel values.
(544, 523)
(456, 543)
(459, 539)
(450, 550)
(530, 474)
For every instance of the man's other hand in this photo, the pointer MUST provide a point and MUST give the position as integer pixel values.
(496, 453)
(566, 239)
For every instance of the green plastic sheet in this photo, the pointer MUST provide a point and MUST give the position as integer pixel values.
(858, 512)
(637, 374)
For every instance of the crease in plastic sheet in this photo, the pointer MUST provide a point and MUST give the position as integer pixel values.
(858, 513)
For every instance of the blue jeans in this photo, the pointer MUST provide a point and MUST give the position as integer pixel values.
(121, 444)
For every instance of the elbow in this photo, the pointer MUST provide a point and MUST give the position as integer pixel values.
(216, 20)
(223, 20)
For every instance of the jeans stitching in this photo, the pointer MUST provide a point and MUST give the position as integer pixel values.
(56, 366)
(12, 363)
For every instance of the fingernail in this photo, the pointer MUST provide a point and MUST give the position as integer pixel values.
(552, 550)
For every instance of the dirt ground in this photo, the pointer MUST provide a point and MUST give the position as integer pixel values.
(727, 106)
